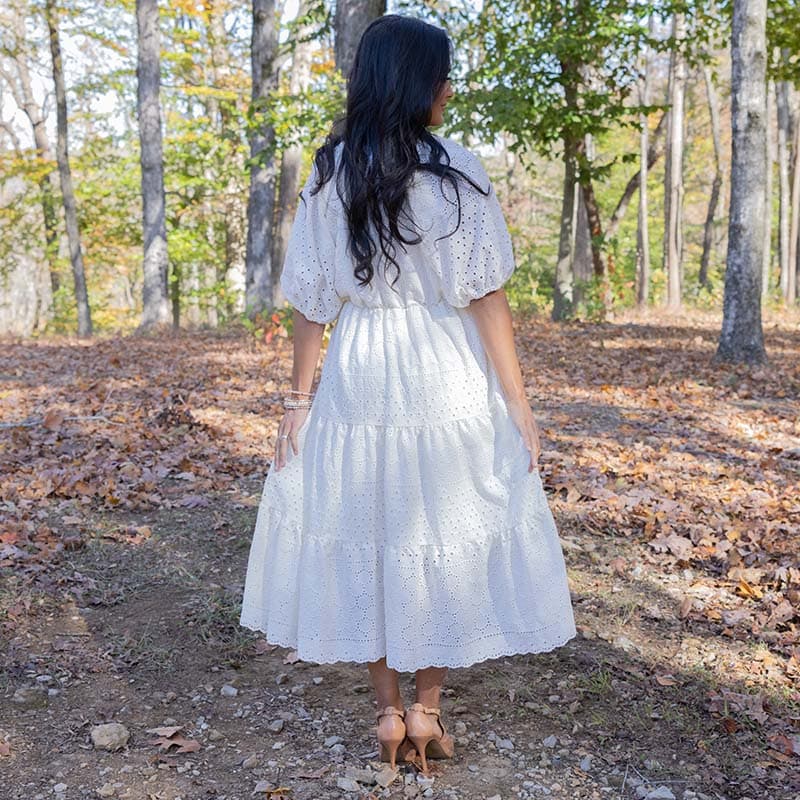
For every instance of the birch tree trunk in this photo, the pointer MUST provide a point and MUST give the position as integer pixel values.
(261, 200)
(794, 224)
(716, 186)
(65, 176)
(563, 299)
(155, 296)
(742, 339)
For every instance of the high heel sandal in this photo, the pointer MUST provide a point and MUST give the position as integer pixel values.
(424, 735)
(392, 739)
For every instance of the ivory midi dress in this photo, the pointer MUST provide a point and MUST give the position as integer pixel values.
(408, 524)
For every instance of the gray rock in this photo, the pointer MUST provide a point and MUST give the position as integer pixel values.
(586, 763)
(338, 749)
(276, 726)
(110, 736)
(228, 691)
(107, 790)
(460, 728)
(386, 776)
(348, 784)
(550, 741)
(60, 788)
(250, 762)
(660, 793)
(332, 740)
(504, 744)
(30, 697)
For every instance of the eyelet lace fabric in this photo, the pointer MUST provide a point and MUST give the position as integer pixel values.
(408, 525)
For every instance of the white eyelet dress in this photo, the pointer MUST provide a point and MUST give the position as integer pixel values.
(408, 525)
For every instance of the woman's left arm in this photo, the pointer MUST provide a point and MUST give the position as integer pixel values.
(307, 338)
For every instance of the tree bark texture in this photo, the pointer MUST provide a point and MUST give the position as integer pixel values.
(741, 339)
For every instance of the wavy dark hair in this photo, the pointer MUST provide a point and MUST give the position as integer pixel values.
(400, 66)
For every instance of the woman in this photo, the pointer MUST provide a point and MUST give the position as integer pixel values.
(403, 522)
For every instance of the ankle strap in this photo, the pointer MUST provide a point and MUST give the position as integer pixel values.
(426, 709)
(381, 712)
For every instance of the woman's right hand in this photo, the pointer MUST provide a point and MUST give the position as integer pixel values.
(522, 414)
(288, 427)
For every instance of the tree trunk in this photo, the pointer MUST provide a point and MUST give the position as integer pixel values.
(766, 264)
(642, 282)
(716, 186)
(741, 338)
(24, 98)
(654, 151)
(784, 183)
(65, 175)
(673, 179)
(156, 307)
(563, 299)
(350, 21)
(261, 200)
(794, 224)
(292, 158)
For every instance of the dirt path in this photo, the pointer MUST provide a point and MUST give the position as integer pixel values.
(135, 621)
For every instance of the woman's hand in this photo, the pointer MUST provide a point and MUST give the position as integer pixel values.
(522, 415)
(288, 427)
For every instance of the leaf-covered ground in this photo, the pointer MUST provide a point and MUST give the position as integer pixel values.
(130, 473)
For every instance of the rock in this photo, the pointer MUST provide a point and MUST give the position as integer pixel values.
(550, 741)
(660, 793)
(460, 728)
(504, 744)
(361, 688)
(282, 678)
(60, 788)
(625, 644)
(30, 697)
(494, 797)
(106, 790)
(316, 680)
(299, 689)
(412, 790)
(332, 740)
(228, 691)
(338, 749)
(386, 776)
(473, 767)
(214, 735)
(110, 736)
(276, 726)
(278, 745)
(348, 784)
(586, 763)
(250, 762)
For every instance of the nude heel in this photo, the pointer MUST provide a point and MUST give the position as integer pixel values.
(392, 740)
(428, 735)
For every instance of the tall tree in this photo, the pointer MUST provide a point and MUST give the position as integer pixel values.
(21, 86)
(784, 181)
(716, 186)
(642, 282)
(261, 200)
(673, 174)
(65, 175)
(742, 338)
(156, 307)
(350, 20)
(292, 156)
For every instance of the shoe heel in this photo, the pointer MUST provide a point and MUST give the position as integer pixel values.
(421, 743)
(389, 748)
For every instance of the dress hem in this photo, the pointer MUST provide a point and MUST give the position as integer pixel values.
(540, 647)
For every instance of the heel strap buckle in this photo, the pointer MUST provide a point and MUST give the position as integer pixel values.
(389, 710)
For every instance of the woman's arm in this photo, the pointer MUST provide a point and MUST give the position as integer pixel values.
(307, 338)
(493, 319)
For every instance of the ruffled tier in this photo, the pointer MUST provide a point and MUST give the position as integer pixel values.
(483, 576)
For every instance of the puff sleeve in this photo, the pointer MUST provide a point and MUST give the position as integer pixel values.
(307, 277)
(479, 257)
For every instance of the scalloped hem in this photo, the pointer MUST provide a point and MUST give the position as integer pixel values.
(546, 646)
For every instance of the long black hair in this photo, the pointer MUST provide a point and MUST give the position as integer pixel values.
(400, 66)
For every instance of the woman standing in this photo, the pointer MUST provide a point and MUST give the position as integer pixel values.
(403, 522)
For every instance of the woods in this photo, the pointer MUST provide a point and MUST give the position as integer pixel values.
(541, 88)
